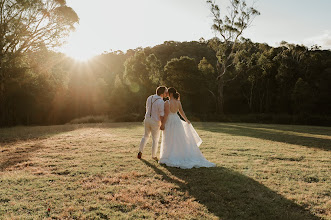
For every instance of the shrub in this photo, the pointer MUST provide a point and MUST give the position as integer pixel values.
(90, 119)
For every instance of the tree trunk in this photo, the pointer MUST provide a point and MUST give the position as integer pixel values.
(261, 102)
(2, 100)
(2, 109)
(215, 98)
(266, 108)
(221, 69)
(220, 98)
(251, 98)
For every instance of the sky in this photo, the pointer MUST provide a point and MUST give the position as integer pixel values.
(107, 25)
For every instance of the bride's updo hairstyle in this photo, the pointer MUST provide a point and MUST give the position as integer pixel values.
(177, 96)
(174, 92)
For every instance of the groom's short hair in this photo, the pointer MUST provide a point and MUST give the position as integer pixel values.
(160, 90)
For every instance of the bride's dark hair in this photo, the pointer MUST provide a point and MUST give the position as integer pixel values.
(177, 96)
(174, 92)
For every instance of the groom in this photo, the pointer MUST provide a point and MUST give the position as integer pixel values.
(153, 120)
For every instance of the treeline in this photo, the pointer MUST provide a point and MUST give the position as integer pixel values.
(286, 84)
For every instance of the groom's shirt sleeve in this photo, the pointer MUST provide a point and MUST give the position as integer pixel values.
(161, 108)
(147, 103)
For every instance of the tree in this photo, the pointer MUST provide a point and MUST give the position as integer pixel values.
(303, 97)
(230, 29)
(209, 74)
(141, 77)
(183, 74)
(291, 60)
(142, 71)
(155, 69)
(27, 25)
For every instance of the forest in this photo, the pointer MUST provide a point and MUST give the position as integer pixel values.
(285, 84)
(226, 78)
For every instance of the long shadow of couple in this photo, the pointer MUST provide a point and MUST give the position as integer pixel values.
(231, 195)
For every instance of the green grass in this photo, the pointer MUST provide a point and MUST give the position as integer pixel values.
(91, 172)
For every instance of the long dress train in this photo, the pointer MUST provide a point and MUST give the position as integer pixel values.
(180, 145)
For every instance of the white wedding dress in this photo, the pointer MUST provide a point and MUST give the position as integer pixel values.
(180, 145)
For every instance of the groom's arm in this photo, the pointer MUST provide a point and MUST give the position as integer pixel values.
(161, 110)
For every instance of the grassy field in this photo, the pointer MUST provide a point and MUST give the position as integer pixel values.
(91, 171)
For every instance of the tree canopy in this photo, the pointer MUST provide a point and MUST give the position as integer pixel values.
(28, 26)
(50, 88)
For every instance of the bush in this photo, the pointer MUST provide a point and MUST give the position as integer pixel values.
(90, 119)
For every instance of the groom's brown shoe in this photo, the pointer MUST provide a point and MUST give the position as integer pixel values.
(155, 158)
(139, 155)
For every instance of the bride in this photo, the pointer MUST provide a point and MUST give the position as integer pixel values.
(180, 142)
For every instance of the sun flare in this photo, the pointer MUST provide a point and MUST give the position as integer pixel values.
(78, 48)
(80, 55)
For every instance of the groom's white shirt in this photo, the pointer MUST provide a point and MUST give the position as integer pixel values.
(157, 110)
(154, 110)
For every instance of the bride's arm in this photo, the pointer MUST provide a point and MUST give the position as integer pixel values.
(182, 113)
(166, 113)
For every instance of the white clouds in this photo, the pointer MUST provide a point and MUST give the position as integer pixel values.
(327, 41)
(323, 40)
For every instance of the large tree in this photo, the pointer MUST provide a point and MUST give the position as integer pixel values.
(230, 29)
(27, 25)
(183, 74)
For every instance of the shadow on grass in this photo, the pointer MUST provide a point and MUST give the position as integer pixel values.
(277, 134)
(231, 195)
(19, 155)
(315, 130)
(24, 133)
(9, 157)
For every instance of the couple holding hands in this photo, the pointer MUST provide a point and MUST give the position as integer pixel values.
(180, 142)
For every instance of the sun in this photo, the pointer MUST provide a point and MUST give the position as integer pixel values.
(79, 50)
(81, 46)
(80, 54)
